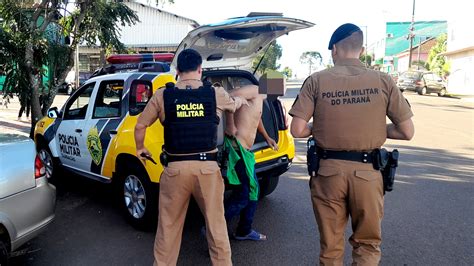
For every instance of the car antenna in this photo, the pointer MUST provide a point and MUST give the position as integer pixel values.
(261, 59)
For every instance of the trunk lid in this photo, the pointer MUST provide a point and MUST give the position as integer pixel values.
(235, 43)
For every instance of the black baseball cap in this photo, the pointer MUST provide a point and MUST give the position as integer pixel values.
(344, 31)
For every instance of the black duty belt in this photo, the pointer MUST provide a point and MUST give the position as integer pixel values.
(356, 156)
(193, 157)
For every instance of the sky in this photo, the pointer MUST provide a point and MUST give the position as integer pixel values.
(369, 15)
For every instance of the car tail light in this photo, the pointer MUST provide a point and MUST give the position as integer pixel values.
(40, 170)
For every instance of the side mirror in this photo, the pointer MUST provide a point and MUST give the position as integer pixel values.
(53, 112)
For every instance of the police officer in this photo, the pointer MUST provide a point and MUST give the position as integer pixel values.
(349, 105)
(189, 112)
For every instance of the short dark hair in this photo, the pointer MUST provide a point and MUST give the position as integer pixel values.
(189, 60)
(353, 43)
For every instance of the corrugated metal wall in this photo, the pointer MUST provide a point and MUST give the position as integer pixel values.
(156, 28)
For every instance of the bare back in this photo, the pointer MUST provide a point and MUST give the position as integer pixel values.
(247, 118)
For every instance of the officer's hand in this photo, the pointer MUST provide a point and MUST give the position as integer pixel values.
(272, 143)
(239, 101)
(143, 151)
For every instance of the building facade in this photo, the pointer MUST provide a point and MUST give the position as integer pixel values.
(420, 54)
(396, 41)
(158, 31)
(460, 55)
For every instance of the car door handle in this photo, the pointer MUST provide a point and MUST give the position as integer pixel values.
(113, 132)
(78, 130)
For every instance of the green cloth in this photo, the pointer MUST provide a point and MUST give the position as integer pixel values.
(249, 161)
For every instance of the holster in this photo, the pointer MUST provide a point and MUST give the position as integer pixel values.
(223, 160)
(312, 158)
(164, 159)
(387, 163)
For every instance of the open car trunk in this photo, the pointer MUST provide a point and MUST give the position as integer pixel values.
(270, 108)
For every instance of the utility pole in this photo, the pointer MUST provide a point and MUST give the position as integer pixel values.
(411, 34)
(419, 49)
(366, 47)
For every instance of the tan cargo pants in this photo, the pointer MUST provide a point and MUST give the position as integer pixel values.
(179, 181)
(344, 188)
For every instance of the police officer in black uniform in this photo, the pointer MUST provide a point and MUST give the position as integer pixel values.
(189, 112)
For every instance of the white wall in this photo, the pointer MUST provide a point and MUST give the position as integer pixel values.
(402, 64)
(460, 33)
(461, 79)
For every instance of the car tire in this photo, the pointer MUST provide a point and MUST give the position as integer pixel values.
(422, 91)
(3, 253)
(139, 198)
(442, 92)
(51, 165)
(268, 185)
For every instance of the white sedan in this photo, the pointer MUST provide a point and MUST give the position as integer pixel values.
(27, 200)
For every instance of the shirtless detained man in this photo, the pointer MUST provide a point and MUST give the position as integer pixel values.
(241, 130)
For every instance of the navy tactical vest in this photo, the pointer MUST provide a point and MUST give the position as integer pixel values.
(191, 119)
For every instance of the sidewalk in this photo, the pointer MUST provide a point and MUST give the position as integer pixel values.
(464, 98)
(9, 119)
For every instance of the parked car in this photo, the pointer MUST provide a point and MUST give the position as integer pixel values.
(27, 200)
(93, 134)
(66, 88)
(395, 76)
(422, 82)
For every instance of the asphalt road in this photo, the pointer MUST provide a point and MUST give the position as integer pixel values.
(428, 217)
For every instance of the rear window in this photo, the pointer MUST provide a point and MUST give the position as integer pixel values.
(140, 93)
(411, 75)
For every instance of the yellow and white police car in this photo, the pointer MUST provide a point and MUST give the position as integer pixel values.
(93, 133)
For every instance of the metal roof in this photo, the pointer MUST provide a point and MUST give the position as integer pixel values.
(157, 27)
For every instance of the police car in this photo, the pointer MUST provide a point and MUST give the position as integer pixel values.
(93, 133)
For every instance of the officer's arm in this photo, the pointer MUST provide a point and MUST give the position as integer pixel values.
(140, 131)
(146, 119)
(404, 130)
(300, 128)
(227, 103)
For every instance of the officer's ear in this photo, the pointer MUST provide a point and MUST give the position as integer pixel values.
(333, 50)
(178, 73)
(199, 70)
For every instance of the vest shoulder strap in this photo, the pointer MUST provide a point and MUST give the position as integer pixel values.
(170, 85)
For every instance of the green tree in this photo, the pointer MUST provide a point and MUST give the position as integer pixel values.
(311, 58)
(420, 64)
(436, 62)
(270, 57)
(34, 35)
(288, 72)
(366, 58)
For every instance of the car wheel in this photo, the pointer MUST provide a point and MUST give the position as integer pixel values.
(139, 197)
(422, 91)
(442, 92)
(3, 253)
(268, 185)
(48, 162)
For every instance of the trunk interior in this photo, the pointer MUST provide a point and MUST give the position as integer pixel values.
(271, 115)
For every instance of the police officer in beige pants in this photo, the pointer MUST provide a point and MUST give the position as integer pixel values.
(189, 112)
(349, 105)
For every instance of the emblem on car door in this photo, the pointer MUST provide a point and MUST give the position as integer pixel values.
(94, 146)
